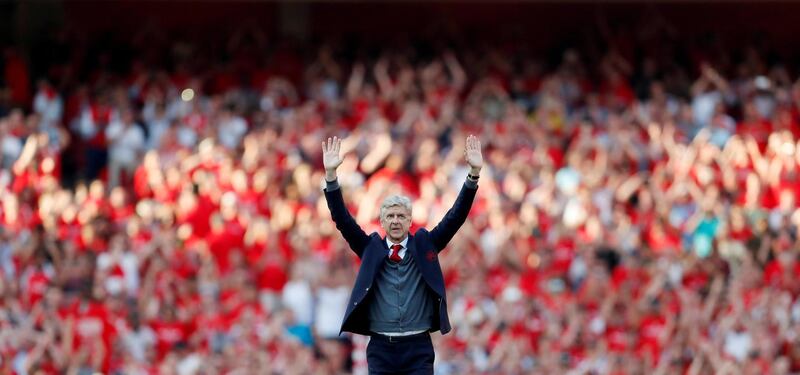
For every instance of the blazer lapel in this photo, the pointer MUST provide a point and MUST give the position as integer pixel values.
(412, 249)
(384, 249)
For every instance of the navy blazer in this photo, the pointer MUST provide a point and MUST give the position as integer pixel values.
(424, 247)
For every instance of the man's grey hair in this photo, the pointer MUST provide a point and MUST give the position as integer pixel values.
(395, 200)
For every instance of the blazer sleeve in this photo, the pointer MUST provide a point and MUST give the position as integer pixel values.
(351, 231)
(443, 232)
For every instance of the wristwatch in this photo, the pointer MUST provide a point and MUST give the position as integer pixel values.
(473, 178)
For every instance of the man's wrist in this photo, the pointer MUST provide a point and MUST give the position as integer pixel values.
(474, 171)
(330, 175)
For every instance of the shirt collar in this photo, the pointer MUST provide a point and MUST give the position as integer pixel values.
(404, 242)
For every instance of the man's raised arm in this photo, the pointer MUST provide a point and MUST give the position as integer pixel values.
(352, 233)
(455, 217)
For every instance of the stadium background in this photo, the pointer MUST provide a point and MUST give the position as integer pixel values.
(160, 200)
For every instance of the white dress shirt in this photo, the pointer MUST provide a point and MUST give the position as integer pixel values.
(403, 243)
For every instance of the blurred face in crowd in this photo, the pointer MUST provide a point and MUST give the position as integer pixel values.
(396, 220)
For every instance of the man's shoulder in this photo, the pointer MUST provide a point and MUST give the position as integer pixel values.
(420, 234)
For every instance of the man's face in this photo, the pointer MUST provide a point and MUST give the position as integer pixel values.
(395, 221)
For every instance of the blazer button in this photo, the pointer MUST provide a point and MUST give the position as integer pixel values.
(366, 289)
(355, 303)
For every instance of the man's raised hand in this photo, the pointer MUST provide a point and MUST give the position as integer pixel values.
(472, 153)
(331, 157)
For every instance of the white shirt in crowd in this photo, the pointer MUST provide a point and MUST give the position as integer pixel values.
(297, 296)
(86, 126)
(231, 131)
(157, 125)
(129, 262)
(11, 147)
(126, 142)
(137, 342)
(50, 108)
(738, 344)
(330, 309)
(703, 107)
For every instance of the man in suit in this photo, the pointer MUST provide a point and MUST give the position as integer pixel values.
(399, 296)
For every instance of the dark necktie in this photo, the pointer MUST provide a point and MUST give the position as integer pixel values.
(395, 255)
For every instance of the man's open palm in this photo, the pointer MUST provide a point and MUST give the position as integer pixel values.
(331, 156)
(473, 152)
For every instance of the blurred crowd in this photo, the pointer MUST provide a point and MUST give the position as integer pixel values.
(637, 214)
